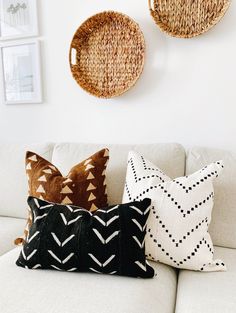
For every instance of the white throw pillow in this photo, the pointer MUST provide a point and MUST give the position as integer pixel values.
(177, 229)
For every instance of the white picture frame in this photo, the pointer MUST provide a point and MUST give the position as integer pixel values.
(18, 19)
(21, 72)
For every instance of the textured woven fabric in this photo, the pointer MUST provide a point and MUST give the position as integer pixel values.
(177, 232)
(69, 238)
(85, 184)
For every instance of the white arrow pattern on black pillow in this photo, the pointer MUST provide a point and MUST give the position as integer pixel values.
(141, 244)
(139, 225)
(105, 241)
(107, 223)
(33, 236)
(59, 260)
(64, 230)
(70, 221)
(45, 206)
(61, 244)
(142, 266)
(108, 211)
(28, 257)
(37, 218)
(139, 211)
(104, 264)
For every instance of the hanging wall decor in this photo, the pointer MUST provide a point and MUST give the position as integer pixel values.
(18, 19)
(187, 18)
(20, 75)
(107, 54)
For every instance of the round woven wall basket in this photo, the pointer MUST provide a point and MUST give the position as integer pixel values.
(187, 18)
(107, 54)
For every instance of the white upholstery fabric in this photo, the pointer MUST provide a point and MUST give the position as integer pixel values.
(209, 292)
(10, 228)
(188, 201)
(222, 228)
(169, 157)
(45, 291)
(13, 191)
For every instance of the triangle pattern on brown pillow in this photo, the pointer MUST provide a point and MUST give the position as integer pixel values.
(84, 185)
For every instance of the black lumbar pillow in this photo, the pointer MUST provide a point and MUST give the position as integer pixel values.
(69, 238)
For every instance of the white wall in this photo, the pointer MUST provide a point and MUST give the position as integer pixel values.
(187, 93)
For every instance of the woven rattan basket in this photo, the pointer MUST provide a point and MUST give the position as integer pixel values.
(187, 18)
(107, 54)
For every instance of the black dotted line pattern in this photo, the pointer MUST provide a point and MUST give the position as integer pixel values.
(196, 206)
(139, 179)
(207, 166)
(217, 264)
(150, 168)
(197, 183)
(187, 258)
(136, 178)
(147, 190)
(165, 191)
(193, 208)
(175, 241)
(127, 191)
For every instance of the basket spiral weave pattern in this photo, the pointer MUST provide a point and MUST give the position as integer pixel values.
(110, 50)
(187, 18)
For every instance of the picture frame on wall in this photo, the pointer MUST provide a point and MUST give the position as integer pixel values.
(18, 19)
(21, 72)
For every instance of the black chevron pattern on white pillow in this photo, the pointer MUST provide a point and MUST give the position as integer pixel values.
(69, 238)
(177, 230)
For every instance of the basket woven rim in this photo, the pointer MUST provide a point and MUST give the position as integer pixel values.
(164, 27)
(142, 41)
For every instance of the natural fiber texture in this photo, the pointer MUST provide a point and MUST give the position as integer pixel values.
(107, 54)
(187, 18)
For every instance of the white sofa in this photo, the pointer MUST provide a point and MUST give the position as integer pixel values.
(38, 291)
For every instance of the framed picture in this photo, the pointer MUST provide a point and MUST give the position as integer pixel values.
(18, 19)
(21, 75)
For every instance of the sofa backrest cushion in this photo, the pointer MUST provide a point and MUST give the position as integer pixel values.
(14, 189)
(223, 225)
(169, 157)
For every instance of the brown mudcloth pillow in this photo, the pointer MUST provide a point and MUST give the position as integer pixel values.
(84, 186)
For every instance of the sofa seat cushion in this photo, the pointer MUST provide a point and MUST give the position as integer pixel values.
(209, 292)
(33, 291)
(169, 157)
(9, 228)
